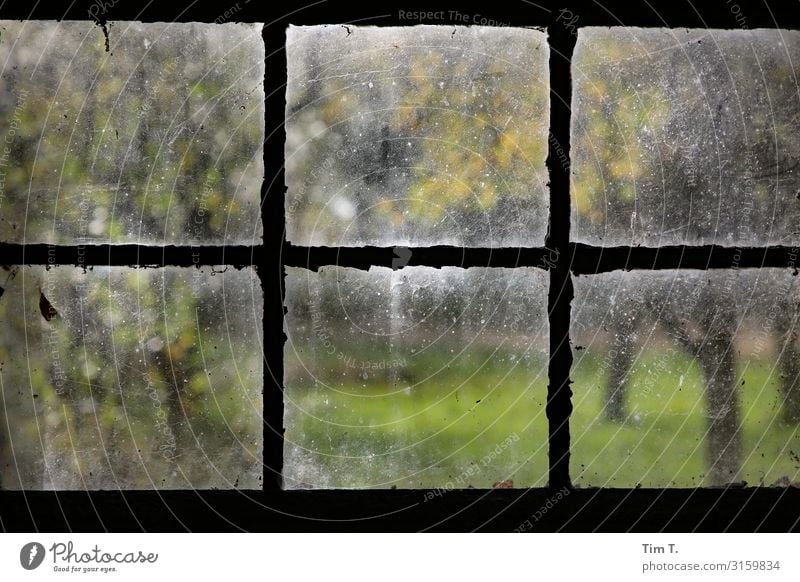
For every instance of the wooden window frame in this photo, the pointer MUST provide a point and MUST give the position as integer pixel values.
(274, 509)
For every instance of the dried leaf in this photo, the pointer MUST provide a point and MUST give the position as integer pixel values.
(48, 311)
(507, 484)
(12, 272)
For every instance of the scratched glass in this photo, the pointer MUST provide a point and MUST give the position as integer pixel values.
(424, 135)
(415, 378)
(122, 378)
(685, 137)
(152, 134)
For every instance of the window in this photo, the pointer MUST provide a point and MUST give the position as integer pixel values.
(686, 378)
(489, 262)
(156, 143)
(416, 377)
(377, 121)
(119, 376)
(141, 378)
(685, 137)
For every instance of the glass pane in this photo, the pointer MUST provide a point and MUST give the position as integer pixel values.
(416, 378)
(418, 135)
(686, 379)
(157, 141)
(120, 378)
(685, 137)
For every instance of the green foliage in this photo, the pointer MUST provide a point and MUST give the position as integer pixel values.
(433, 137)
(145, 378)
(158, 140)
(685, 136)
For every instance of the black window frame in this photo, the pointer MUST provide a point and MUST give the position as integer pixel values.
(273, 509)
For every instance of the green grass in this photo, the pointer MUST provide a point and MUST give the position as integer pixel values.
(473, 423)
(481, 420)
(662, 443)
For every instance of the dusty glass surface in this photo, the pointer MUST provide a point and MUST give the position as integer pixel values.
(685, 136)
(416, 378)
(417, 135)
(158, 140)
(121, 378)
(686, 378)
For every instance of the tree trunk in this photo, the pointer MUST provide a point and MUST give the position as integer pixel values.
(788, 366)
(5, 460)
(621, 359)
(723, 439)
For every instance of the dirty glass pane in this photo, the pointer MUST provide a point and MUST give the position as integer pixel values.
(686, 378)
(416, 378)
(156, 140)
(685, 136)
(121, 378)
(418, 135)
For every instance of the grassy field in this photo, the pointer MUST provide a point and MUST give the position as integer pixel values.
(662, 442)
(474, 421)
(480, 419)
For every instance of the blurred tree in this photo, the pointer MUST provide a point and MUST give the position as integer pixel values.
(159, 140)
(145, 378)
(423, 136)
(687, 137)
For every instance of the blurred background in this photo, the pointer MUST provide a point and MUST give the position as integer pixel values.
(157, 140)
(140, 379)
(685, 137)
(398, 137)
(416, 377)
(424, 135)
(116, 377)
(412, 377)
(686, 378)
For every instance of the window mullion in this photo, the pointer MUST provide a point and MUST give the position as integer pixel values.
(272, 265)
(559, 401)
